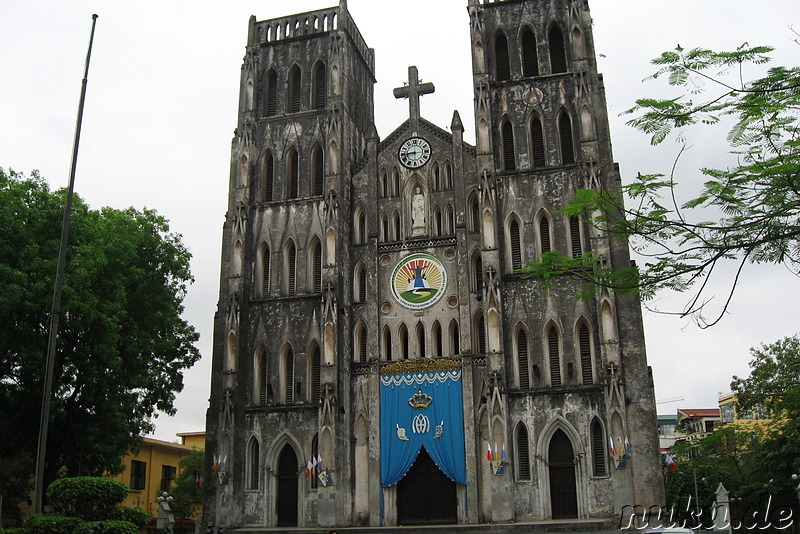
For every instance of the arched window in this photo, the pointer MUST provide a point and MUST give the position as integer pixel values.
(477, 273)
(287, 375)
(509, 158)
(448, 176)
(585, 353)
(295, 86)
(260, 377)
(360, 283)
(403, 336)
(320, 85)
(290, 269)
(360, 342)
(523, 453)
(387, 343)
(437, 178)
(254, 473)
(395, 181)
(317, 171)
(262, 270)
(315, 368)
(554, 357)
(267, 177)
(544, 234)
(598, 450)
(438, 226)
(292, 174)
(398, 228)
(565, 138)
(515, 244)
(315, 267)
(450, 220)
(502, 63)
(575, 236)
(522, 359)
(530, 57)
(360, 226)
(385, 236)
(270, 93)
(558, 54)
(436, 340)
(479, 333)
(237, 258)
(537, 142)
(385, 185)
(455, 342)
(421, 341)
(474, 209)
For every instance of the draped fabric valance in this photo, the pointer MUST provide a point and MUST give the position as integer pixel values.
(422, 409)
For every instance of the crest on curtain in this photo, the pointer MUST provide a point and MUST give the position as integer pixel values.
(421, 406)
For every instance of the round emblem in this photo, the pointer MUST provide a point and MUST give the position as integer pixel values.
(414, 153)
(418, 281)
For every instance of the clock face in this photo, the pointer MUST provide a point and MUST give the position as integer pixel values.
(414, 153)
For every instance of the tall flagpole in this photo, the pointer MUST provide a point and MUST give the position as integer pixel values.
(56, 312)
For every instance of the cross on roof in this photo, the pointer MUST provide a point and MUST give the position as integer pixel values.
(412, 91)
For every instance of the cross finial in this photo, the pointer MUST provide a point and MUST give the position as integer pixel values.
(412, 91)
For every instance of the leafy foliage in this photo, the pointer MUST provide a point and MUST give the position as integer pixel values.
(187, 493)
(137, 516)
(748, 213)
(85, 497)
(122, 344)
(53, 524)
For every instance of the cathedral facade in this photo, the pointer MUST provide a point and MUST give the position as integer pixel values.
(378, 359)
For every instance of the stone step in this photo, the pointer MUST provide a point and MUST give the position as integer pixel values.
(568, 526)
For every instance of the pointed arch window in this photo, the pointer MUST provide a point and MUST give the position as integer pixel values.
(314, 374)
(320, 84)
(554, 357)
(421, 341)
(267, 177)
(290, 269)
(292, 175)
(270, 93)
(522, 359)
(455, 342)
(360, 342)
(515, 244)
(385, 236)
(437, 177)
(438, 226)
(450, 220)
(474, 219)
(315, 253)
(260, 378)
(398, 228)
(317, 171)
(287, 378)
(479, 333)
(360, 283)
(477, 273)
(575, 236)
(585, 352)
(395, 181)
(387, 343)
(502, 63)
(254, 473)
(558, 54)
(360, 227)
(295, 86)
(523, 453)
(544, 234)
(598, 450)
(262, 271)
(530, 56)
(436, 340)
(448, 176)
(403, 335)
(507, 133)
(565, 138)
(537, 142)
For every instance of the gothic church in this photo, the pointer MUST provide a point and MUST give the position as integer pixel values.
(378, 360)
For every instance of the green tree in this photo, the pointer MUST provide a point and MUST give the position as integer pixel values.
(122, 344)
(187, 491)
(747, 213)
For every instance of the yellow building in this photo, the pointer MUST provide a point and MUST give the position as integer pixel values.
(150, 471)
(730, 412)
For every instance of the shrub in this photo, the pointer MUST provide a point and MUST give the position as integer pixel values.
(137, 516)
(14, 530)
(85, 497)
(110, 527)
(52, 524)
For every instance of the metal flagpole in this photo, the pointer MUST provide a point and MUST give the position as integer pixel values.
(56, 312)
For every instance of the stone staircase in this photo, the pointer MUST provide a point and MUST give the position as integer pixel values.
(569, 526)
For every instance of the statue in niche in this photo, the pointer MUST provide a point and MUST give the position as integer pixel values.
(418, 212)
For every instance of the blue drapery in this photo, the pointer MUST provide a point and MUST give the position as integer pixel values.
(420, 426)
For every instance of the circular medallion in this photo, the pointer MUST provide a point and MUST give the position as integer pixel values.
(414, 152)
(418, 281)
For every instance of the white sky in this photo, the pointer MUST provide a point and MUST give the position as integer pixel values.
(161, 108)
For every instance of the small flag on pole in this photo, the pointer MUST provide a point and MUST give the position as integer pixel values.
(308, 469)
(670, 462)
(489, 452)
(503, 457)
(611, 442)
(627, 446)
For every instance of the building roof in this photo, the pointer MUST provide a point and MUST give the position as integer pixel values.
(699, 412)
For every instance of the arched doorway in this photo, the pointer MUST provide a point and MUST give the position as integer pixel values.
(425, 495)
(287, 488)
(563, 491)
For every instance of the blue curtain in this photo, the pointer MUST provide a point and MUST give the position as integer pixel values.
(437, 423)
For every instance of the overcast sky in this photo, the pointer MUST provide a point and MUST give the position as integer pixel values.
(162, 105)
